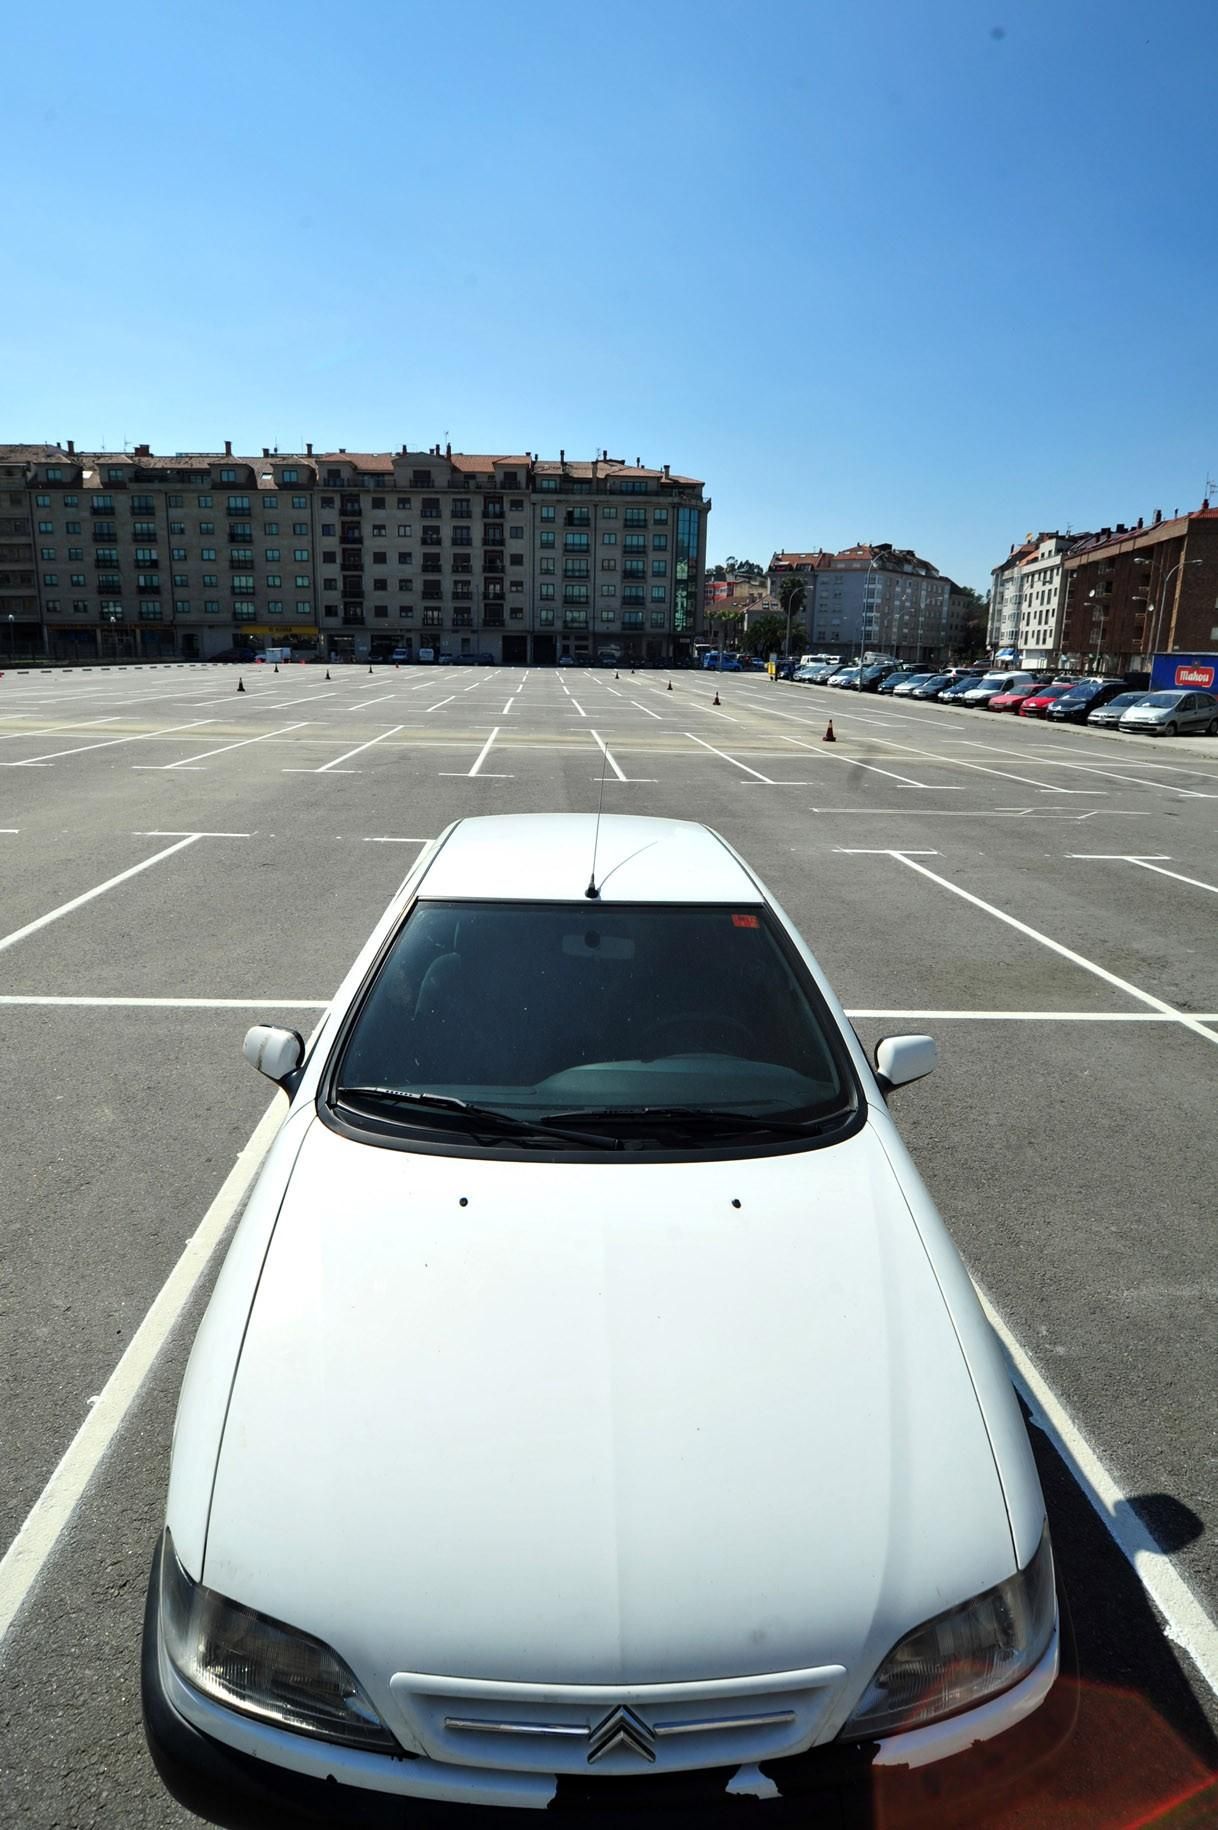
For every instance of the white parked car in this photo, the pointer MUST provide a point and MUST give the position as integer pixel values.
(591, 1390)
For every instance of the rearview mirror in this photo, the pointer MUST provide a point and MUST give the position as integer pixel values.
(900, 1059)
(277, 1053)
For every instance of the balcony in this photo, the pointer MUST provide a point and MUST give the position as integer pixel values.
(352, 617)
(350, 507)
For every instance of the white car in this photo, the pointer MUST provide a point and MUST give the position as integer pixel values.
(591, 1393)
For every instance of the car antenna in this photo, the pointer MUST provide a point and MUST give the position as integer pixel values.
(592, 893)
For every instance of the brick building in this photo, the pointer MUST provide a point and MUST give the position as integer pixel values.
(1133, 592)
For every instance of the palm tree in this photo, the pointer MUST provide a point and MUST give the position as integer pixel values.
(792, 595)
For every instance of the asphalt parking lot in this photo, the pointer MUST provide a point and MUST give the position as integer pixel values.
(178, 860)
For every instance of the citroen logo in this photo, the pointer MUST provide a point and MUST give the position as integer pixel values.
(621, 1728)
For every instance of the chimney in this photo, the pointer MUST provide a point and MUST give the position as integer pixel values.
(142, 451)
(1139, 520)
(1205, 504)
(666, 470)
(228, 447)
(342, 451)
(562, 456)
(308, 450)
(448, 451)
(266, 451)
(1158, 517)
(403, 451)
(71, 447)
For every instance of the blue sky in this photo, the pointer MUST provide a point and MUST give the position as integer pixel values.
(937, 273)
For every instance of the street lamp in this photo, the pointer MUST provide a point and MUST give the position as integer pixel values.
(1163, 599)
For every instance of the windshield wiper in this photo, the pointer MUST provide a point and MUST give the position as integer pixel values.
(696, 1118)
(487, 1118)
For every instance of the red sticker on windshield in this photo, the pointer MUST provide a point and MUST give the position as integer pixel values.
(745, 921)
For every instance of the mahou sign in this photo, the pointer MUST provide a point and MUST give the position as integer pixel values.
(1195, 676)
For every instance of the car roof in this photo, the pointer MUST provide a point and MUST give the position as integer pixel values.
(547, 857)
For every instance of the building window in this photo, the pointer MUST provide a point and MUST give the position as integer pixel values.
(243, 583)
(79, 580)
(546, 593)
(575, 543)
(46, 527)
(273, 581)
(274, 606)
(46, 552)
(659, 619)
(660, 517)
(659, 568)
(300, 501)
(211, 579)
(181, 580)
(405, 530)
(50, 578)
(54, 474)
(203, 501)
(228, 476)
(636, 517)
(659, 543)
(271, 554)
(303, 582)
(608, 590)
(301, 555)
(608, 514)
(548, 511)
(71, 527)
(608, 539)
(659, 594)
(150, 613)
(291, 476)
(115, 473)
(181, 606)
(211, 606)
(42, 501)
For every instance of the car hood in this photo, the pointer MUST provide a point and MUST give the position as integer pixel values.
(551, 1422)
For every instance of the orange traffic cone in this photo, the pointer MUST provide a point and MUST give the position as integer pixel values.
(327, 673)
(828, 736)
(715, 700)
(670, 686)
(240, 685)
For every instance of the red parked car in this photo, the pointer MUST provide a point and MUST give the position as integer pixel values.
(1013, 700)
(1037, 704)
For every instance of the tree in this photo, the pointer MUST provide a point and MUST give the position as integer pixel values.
(976, 619)
(765, 635)
(730, 562)
(792, 595)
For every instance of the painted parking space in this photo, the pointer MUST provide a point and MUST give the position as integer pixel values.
(1062, 1098)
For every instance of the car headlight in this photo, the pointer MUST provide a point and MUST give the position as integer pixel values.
(964, 1656)
(248, 1662)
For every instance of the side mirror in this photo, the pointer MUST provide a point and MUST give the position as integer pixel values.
(277, 1053)
(898, 1060)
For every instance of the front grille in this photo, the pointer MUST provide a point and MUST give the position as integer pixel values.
(611, 1731)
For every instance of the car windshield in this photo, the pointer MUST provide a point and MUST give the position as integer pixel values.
(641, 1021)
(991, 682)
(1122, 701)
(1164, 700)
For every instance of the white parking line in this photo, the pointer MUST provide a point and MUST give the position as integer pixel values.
(26, 1556)
(50, 730)
(188, 762)
(172, 1003)
(832, 756)
(1026, 1016)
(1187, 1623)
(358, 750)
(647, 709)
(1184, 1018)
(1149, 862)
(768, 780)
(608, 758)
(77, 902)
(575, 702)
(383, 700)
(430, 708)
(108, 744)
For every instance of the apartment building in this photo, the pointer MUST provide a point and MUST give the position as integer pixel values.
(1028, 599)
(870, 597)
(1134, 592)
(348, 554)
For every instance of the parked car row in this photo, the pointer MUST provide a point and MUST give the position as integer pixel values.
(1099, 700)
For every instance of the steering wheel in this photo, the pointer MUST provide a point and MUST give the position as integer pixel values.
(713, 1019)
